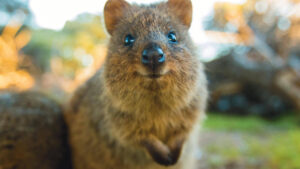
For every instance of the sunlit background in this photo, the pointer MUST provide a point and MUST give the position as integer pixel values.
(250, 49)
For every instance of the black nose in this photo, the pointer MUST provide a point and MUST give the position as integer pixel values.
(153, 56)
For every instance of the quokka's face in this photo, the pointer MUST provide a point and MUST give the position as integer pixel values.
(151, 42)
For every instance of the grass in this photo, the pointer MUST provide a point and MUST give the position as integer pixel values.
(249, 124)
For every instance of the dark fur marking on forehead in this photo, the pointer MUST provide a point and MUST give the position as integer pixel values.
(146, 14)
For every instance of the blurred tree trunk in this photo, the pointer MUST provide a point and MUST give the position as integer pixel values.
(233, 74)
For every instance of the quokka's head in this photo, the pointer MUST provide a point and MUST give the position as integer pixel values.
(150, 43)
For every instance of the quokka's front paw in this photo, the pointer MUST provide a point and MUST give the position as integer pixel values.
(162, 157)
(161, 153)
(175, 148)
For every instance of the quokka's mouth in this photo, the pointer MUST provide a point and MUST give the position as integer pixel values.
(154, 76)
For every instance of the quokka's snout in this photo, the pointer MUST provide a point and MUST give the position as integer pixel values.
(153, 57)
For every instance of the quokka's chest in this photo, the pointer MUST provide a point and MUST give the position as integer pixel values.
(160, 125)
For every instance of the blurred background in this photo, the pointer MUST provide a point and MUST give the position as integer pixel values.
(251, 49)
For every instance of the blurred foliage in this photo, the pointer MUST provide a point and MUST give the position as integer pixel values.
(59, 61)
(11, 42)
(72, 47)
(64, 59)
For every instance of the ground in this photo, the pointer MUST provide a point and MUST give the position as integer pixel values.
(249, 143)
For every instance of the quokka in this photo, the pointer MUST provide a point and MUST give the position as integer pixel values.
(142, 109)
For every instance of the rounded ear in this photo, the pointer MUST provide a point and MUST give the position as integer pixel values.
(113, 11)
(182, 9)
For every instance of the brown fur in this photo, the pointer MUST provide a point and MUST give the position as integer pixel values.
(121, 119)
(32, 132)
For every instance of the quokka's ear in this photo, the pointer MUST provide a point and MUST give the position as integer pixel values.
(113, 11)
(182, 9)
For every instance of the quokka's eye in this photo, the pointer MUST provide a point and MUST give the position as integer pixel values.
(172, 37)
(129, 40)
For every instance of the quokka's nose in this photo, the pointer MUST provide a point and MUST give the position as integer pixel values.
(153, 56)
